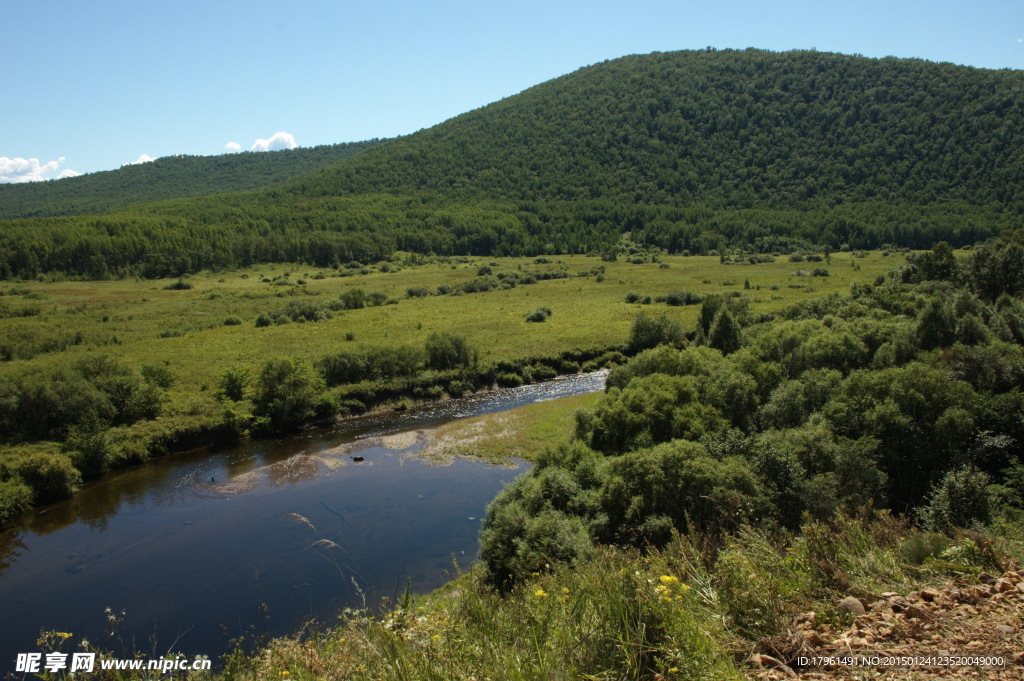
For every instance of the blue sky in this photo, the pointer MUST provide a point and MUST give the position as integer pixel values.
(89, 85)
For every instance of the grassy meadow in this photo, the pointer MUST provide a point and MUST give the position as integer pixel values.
(143, 321)
(194, 329)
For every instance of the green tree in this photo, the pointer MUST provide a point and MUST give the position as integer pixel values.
(725, 334)
(287, 394)
(649, 332)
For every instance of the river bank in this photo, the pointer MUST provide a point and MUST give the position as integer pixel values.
(255, 541)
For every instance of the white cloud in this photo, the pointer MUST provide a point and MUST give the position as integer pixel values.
(233, 146)
(278, 141)
(144, 158)
(31, 170)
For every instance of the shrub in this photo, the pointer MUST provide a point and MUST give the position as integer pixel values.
(449, 351)
(541, 314)
(353, 299)
(180, 285)
(232, 383)
(287, 394)
(232, 321)
(649, 332)
(15, 499)
(88, 445)
(376, 298)
(51, 477)
(960, 499)
(677, 298)
(509, 379)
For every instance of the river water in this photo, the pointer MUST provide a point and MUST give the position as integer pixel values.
(199, 548)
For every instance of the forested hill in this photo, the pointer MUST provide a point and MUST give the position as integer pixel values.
(732, 129)
(170, 177)
(696, 150)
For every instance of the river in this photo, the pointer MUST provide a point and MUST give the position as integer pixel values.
(258, 540)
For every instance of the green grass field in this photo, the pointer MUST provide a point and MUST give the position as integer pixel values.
(143, 322)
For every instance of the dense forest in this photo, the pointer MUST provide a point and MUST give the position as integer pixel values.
(699, 151)
(170, 177)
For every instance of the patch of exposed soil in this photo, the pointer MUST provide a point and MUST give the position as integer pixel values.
(972, 628)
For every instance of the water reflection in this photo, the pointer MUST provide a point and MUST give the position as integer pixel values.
(269, 534)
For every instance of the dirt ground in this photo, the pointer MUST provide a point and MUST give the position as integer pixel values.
(972, 628)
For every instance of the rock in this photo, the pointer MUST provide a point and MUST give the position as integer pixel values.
(1004, 585)
(1006, 629)
(986, 578)
(852, 605)
(915, 611)
(899, 604)
(929, 595)
(812, 639)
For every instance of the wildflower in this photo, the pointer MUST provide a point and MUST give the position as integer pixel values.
(540, 593)
(673, 670)
(565, 590)
(668, 579)
(285, 674)
(435, 637)
(684, 587)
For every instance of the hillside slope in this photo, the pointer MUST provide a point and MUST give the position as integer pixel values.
(729, 129)
(169, 177)
(699, 150)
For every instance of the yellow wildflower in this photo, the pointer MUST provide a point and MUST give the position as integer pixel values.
(540, 593)
(673, 670)
(668, 579)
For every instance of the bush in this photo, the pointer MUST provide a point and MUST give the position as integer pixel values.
(677, 298)
(232, 321)
(353, 299)
(449, 351)
(509, 379)
(180, 285)
(541, 314)
(288, 393)
(960, 499)
(232, 383)
(648, 332)
(15, 499)
(51, 477)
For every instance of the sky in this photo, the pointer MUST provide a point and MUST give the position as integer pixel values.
(88, 85)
